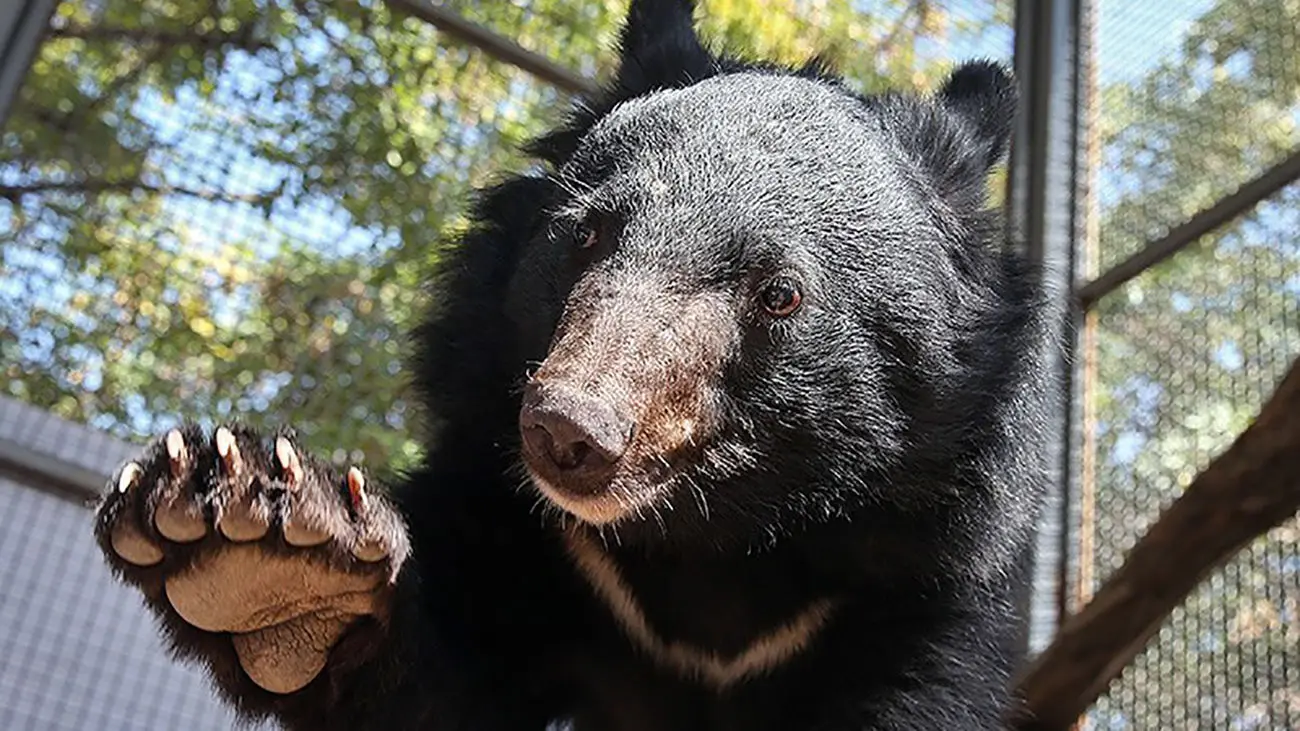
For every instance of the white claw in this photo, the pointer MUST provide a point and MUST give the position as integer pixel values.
(288, 458)
(130, 474)
(356, 489)
(227, 448)
(176, 450)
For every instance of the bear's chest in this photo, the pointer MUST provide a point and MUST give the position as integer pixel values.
(710, 623)
(623, 690)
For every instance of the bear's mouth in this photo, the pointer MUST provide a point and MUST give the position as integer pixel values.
(615, 501)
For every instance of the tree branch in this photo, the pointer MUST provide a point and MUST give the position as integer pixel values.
(1246, 491)
(241, 39)
(17, 192)
(886, 46)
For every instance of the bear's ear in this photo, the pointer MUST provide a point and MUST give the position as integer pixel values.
(659, 48)
(983, 95)
(961, 133)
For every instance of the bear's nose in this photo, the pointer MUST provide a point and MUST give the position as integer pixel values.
(571, 429)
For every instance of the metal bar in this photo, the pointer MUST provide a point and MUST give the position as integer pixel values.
(45, 472)
(496, 46)
(22, 26)
(1085, 355)
(1245, 198)
(1022, 230)
(1043, 202)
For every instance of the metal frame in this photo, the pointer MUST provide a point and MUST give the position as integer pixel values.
(22, 26)
(49, 473)
(1043, 221)
(1224, 211)
(1053, 217)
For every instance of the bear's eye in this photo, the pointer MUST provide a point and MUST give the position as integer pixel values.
(586, 235)
(781, 296)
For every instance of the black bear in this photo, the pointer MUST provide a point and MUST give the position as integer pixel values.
(737, 410)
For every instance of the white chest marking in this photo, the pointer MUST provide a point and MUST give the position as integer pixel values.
(764, 653)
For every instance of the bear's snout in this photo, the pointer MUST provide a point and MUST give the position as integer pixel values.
(625, 399)
(576, 436)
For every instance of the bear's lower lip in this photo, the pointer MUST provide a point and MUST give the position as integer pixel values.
(595, 504)
(583, 483)
(602, 501)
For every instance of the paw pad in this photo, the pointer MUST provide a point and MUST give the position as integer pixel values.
(127, 541)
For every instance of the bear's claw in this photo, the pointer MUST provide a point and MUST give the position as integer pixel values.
(227, 450)
(278, 551)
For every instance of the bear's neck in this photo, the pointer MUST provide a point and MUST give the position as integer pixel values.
(719, 618)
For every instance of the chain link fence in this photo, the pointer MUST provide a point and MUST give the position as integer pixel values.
(220, 208)
(1194, 100)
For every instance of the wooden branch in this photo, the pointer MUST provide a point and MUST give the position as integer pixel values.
(210, 39)
(1246, 491)
(17, 192)
(496, 45)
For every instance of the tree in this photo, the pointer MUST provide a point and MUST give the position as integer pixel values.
(224, 209)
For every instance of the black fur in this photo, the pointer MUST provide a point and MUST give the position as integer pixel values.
(878, 448)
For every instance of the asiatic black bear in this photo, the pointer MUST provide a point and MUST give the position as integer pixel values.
(738, 411)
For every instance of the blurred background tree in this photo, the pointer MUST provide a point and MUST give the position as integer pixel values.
(220, 209)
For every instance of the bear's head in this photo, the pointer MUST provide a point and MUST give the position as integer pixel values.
(762, 302)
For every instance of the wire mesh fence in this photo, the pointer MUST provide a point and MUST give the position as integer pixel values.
(1195, 99)
(218, 209)
(221, 210)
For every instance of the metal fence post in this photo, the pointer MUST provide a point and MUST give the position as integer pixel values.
(1043, 221)
(22, 25)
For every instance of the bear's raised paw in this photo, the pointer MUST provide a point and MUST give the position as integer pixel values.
(242, 537)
